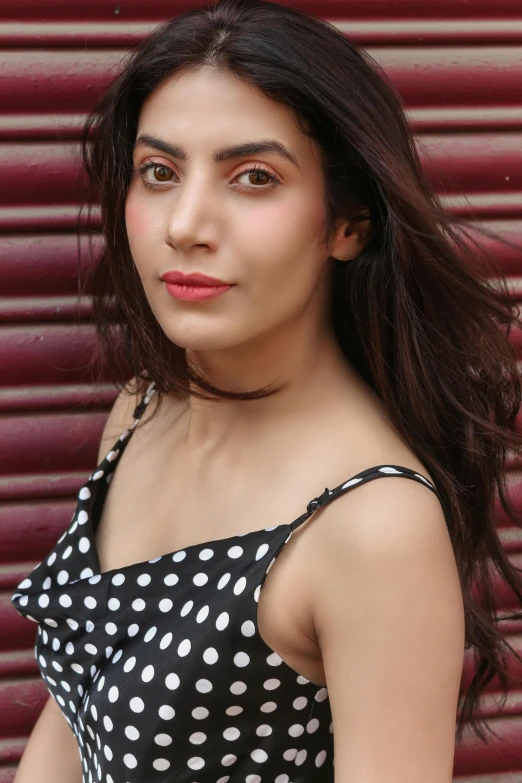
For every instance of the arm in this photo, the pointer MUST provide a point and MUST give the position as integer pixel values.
(390, 622)
(51, 754)
(41, 763)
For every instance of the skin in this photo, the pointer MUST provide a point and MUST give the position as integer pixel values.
(391, 652)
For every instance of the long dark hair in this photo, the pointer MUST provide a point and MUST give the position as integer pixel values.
(413, 313)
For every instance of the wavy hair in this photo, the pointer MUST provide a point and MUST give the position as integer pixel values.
(413, 313)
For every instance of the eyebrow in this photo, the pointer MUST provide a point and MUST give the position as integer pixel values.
(227, 153)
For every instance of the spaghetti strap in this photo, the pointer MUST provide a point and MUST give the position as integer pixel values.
(368, 474)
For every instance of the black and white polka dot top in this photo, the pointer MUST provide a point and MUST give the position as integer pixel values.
(159, 667)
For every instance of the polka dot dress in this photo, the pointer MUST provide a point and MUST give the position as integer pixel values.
(159, 667)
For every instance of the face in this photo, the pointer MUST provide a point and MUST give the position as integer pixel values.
(250, 218)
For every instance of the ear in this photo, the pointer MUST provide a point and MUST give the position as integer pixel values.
(351, 236)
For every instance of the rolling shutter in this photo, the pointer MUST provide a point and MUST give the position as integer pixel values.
(458, 67)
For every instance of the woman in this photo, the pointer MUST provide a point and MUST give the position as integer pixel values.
(296, 311)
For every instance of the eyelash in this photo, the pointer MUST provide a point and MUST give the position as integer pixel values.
(142, 170)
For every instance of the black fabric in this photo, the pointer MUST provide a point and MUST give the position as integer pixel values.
(159, 667)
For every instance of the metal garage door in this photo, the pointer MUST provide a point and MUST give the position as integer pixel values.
(460, 74)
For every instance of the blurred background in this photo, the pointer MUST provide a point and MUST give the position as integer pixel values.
(458, 67)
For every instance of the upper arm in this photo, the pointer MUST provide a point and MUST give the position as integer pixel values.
(119, 418)
(388, 612)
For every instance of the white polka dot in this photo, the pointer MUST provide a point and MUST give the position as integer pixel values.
(118, 579)
(113, 693)
(257, 592)
(271, 684)
(47, 583)
(282, 778)
(228, 759)
(132, 732)
(163, 740)
(240, 585)
(203, 685)
(235, 710)
(275, 660)
(136, 704)
(107, 722)
(143, 580)
(312, 725)
(296, 730)
(321, 694)
(253, 779)
(301, 756)
(66, 553)
(27, 582)
(290, 754)
(49, 621)
(202, 614)
(235, 551)
(199, 713)
(89, 602)
(89, 626)
(165, 605)
(248, 628)
(177, 557)
(86, 572)
(151, 633)
(319, 759)
(91, 649)
(232, 733)
(130, 761)
(60, 700)
(84, 544)
(206, 554)
(161, 764)
(69, 648)
(147, 673)
(50, 561)
(196, 762)
(222, 621)
(101, 684)
(95, 579)
(200, 579)
(111, 628)
(129, 664)
(42, 660)
(184, 647)
(300, 703)
(186, 608)
(113, 604)
(133, 629)
(82, 517)
(238, 687)
(210, 655)
(264, 730)
(166, 712)
(197, 738)
(77, 668)
(225, 579)
(172, 681)
(261, 552)
(166, 641)
(138, 605)
(241, 659)
(94, 712)
(24, 600)
(268, 706)
(171, 579)
(65, 600)
(43, 600)
(259, 755)
(84, 493)
(108, 752)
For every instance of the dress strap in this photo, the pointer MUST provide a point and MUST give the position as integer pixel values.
(147, 397)
(369, 474)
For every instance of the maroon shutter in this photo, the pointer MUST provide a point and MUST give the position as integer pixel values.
(458, 66)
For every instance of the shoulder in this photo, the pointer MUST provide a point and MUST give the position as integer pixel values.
(388, 613)
(121, 414)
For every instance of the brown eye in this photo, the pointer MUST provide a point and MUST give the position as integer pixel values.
(162, 173)
(256, 177)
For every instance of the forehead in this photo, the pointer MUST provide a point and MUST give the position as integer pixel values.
(207, 108)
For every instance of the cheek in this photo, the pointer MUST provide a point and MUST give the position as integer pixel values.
(136, 217)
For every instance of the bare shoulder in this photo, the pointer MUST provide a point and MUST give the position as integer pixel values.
(121, 415)
(389, 618)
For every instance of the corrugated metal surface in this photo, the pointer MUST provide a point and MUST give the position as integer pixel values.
(459, 74)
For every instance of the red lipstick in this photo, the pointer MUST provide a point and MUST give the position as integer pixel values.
(193, 287)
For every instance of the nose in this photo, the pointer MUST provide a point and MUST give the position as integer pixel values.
(190, 219)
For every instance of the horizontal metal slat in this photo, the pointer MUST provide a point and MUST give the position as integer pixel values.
(28, 531)
(18, 663)
(43, 308)
(500, 755)
(18, 633)
(20, 703)
(51, 217)
(41, 485)
(52, 171)
(45, 354)
(48, 443)
(66, 397)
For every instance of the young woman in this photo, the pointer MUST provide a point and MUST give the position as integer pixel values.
(295, 311)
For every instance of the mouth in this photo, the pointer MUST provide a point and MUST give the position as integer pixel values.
(194, 287)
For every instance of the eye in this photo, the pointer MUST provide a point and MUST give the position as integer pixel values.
(152, 174)
(260, 174)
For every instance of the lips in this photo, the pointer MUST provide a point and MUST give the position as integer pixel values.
(196, 279)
